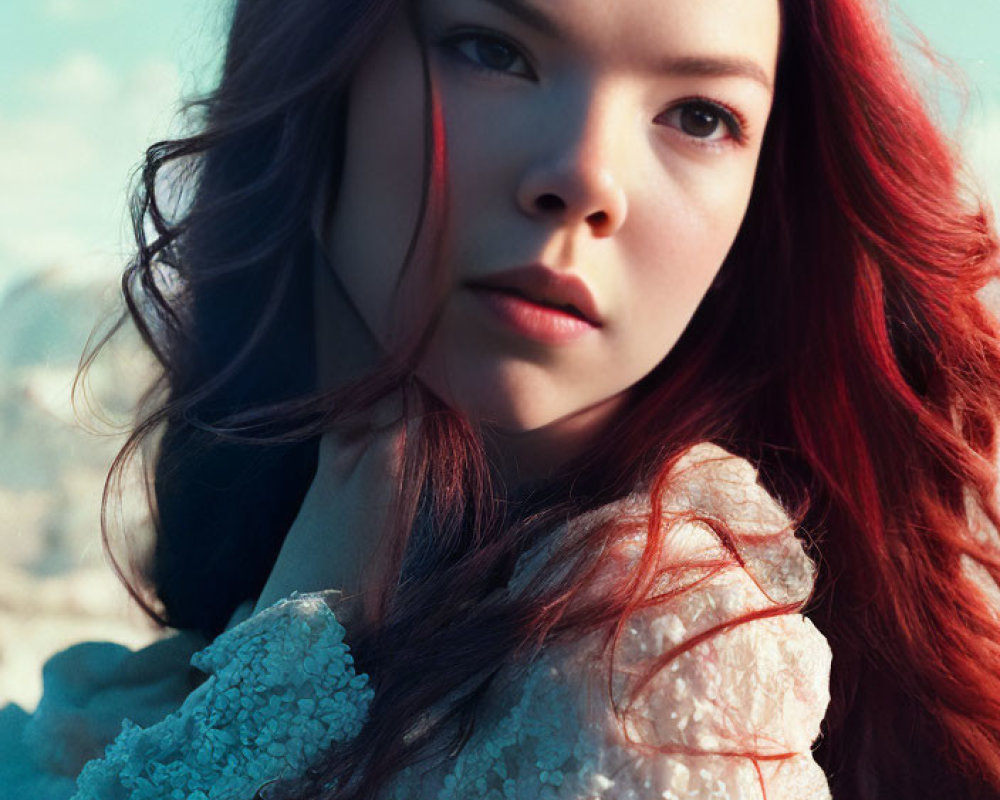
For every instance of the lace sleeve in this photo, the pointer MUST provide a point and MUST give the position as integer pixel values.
(737, 686)
(282, 689)
(735, 700)
(730, 717)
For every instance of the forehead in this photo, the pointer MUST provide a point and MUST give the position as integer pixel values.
(644, 33)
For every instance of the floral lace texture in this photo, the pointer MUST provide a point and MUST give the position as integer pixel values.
(734, 715)
(729, 716)
(283, 688)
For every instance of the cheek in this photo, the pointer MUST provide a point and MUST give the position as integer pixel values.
(485, 160)
(682, 237)
(380, 192)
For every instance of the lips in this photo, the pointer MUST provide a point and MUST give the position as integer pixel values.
(546, 287)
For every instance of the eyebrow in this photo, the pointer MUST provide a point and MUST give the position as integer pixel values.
(684, 66)
(718, 67)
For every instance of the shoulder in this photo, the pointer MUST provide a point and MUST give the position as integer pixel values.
(268, 638)
(88, 689)
(718, 685)
(714, 515)
(715, 512)
(721, 673)
(281, 688)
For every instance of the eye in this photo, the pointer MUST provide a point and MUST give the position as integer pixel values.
(488, 53)
(705, 121)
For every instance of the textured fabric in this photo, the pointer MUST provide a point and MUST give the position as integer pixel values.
(732, 714)
(88, 689)
(760, 687)
(283, 688)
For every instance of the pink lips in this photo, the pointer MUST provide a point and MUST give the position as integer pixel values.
(539, 303)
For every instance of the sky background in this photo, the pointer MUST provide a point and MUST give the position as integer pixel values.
(87, 84)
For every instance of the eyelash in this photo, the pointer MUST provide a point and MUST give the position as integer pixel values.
(731, 119)
(728, 117)
(450, 45)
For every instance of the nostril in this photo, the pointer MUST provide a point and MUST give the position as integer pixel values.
(550, 202)
(598, 219)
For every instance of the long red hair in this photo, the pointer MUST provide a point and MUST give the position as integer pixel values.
(844, 352)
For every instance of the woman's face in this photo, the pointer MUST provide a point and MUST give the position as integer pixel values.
(599, 161)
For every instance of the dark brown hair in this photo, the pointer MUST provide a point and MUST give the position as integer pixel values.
(845, 354)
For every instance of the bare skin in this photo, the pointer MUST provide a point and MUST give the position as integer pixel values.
(351, 492)
(351, 488)
(618, 148)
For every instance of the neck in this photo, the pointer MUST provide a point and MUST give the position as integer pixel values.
(524, 457)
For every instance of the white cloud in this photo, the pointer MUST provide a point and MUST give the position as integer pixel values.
(79, 79)
(73, 10)
(982, 150)
(66, 158)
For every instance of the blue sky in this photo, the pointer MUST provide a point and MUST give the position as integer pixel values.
(89, 83)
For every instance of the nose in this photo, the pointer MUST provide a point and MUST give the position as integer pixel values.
(578, 180)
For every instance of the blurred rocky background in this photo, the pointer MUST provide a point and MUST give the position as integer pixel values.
(55, 584)
(87, 86)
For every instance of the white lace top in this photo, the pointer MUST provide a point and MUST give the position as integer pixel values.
(731, 716)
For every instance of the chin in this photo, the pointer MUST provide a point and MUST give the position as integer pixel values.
(514, 396)
(543, 410)
(510, 414)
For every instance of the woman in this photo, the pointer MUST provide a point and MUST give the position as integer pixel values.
(465, 298)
